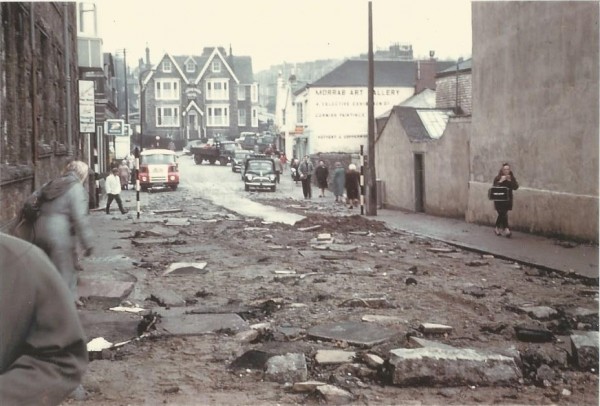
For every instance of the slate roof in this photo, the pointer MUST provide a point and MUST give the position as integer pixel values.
(462, 66)
(242, 66)
(354, 72)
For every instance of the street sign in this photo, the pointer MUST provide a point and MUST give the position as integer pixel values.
(87, 110)
(115, 127)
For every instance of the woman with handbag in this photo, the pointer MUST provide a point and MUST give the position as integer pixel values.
(505, 178)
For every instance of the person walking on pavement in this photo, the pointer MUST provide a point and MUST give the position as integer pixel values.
(63, 215)
(124, 174)
(505, 178)
(322, 174)
(113, 191)
(283, 160)
(278, 168)
(352, 183)
(339, 179)
(43, 353)
(306, 169)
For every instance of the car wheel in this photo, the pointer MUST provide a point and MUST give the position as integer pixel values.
(173, 187)
(246, 188)
(223, 161)
(273, 188)
(197, 160)
(144, 188)
(212, 161)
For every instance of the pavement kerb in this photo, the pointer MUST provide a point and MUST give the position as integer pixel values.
(469, 247)
(394, 217)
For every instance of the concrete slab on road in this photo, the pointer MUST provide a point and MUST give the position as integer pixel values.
(524, 248)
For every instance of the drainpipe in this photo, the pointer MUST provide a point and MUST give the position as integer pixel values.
(68, 80)
(34, 105)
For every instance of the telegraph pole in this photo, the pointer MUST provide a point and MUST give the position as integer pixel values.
(371, 177)
(126, 87)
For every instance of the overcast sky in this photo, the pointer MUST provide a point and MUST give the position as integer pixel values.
(274, 31)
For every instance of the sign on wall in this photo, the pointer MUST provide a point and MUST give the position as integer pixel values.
(115, 127)
(87, 110)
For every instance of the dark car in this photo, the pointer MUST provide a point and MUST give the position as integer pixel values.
(237, 161)
(259, 173)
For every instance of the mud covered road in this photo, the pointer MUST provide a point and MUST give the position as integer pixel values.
(268, 281)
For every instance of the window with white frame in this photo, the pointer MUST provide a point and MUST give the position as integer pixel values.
(218, 116)
(299, 113)
(167, 89)
(217, 89)
(190, 66)
(167, 116)
(241, 92)
(254, 118)
(242, 117)
(254, 93)
(166, 66)
(216, 65)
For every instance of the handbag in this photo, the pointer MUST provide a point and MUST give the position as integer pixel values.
(499, 194)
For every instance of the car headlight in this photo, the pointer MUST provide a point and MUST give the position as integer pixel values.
(144, 179)
(271, 177)
(249, 177)
(171, 177)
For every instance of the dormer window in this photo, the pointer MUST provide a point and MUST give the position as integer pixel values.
(190, 66)
(166, 66)
(216, 66)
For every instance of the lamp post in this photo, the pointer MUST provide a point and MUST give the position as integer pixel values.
(141, 138)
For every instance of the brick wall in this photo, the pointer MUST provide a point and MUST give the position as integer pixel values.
(445, 93)
(34, 151)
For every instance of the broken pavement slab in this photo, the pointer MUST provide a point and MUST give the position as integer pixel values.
(533, 333)
(112, 326)
(539, 312)
(584, 345)
(386, 320)
(167, 211)
(176, 323)
(307, 386)
(177, 221)
(109, 293)
(160, 231)
(356, 333)
(167, 298)
(311, 228)
(451, 367)
(423, 343)
(327, 357)
(334, 395)
(372, 303)
(286, 368)
(186, 268)
(433, 328)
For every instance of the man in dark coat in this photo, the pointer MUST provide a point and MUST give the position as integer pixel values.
(43, 351)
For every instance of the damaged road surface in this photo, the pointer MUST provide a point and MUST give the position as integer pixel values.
(226, 303)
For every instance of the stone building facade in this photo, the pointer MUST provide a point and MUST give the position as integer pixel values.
(38, 43)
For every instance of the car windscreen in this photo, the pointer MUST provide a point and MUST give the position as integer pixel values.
(260, 166)
(158, 159)
(229, 147)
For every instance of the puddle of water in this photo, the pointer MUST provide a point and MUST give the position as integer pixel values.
(251, 208)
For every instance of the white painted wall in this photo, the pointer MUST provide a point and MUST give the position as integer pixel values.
(337, 119)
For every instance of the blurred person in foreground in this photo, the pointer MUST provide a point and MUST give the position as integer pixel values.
(64, 217)
(43, 351)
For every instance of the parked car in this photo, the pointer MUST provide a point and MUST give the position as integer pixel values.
(239, 157)
(158, 167)
(259, 173)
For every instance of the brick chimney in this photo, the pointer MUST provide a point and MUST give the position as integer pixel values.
(425, 73)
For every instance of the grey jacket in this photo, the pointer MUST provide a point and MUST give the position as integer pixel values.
(61, 219)
(306, 168)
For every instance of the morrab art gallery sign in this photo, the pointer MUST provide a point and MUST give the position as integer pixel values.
(338, 117)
